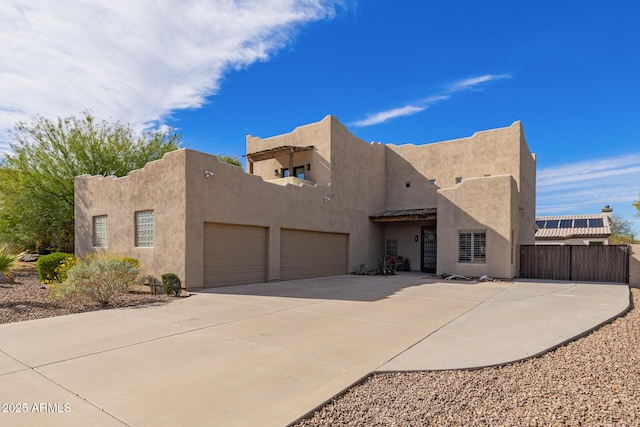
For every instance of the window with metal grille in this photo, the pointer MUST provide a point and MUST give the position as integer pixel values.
(392, 247)
(145, 228)
(100, 231)
(472, 247)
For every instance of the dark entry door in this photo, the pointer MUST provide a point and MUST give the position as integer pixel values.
(429, 249)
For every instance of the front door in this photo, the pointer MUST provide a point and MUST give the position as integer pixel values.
(429, 249)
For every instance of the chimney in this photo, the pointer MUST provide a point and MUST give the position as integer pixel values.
(607, 212)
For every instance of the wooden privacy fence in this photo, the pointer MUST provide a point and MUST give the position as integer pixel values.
(606, 263)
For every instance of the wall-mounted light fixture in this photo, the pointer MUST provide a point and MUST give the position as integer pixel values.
(275, 172)
(416, 238)
(308, 166)
(208, 173)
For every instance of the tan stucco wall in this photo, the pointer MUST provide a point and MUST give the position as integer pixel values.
(479, 205)
(316, 134)
(634, 266)
(353, 180)
(525, 234)
(159, 186)
(486, 153)
(234, 197)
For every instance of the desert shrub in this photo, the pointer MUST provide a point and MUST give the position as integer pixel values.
(47, 265)
(171, 284)
(9, 253)
(101, 278)
(57, 287)
(132, 261)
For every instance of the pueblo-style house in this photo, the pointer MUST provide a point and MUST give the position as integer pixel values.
(318, 201)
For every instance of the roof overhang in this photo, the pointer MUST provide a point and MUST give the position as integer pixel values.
(424, 214)
(272, 153)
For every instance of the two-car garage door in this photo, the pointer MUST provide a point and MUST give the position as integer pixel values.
(237, 254)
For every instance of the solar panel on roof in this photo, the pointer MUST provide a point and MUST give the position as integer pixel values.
(596, 222)
(566, 223)
(540, 224)
(580, 223)
(552, 223)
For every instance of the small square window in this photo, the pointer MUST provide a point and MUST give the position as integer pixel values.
(100, 231)
(458, 180)
(145, 228)
(407, 184)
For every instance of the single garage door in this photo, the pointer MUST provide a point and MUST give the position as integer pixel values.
(233, 254)
(312, 254)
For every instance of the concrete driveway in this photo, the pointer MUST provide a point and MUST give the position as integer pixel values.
(267, 354)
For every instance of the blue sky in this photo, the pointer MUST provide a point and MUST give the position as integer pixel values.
(392, 71)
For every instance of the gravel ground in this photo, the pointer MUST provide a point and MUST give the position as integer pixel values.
(593, 381)
(27, 299)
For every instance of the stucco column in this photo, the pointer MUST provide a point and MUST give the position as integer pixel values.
(273, 253)
(291, 162)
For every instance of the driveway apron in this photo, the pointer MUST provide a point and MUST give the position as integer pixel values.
(261, 354)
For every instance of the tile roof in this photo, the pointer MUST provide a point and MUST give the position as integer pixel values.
(566, 226)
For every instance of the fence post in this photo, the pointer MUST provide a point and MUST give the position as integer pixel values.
(570, 262)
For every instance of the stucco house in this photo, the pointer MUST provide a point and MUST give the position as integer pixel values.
(590, 229)
(318, 201)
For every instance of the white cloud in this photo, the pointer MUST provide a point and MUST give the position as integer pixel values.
(383, 116)
(135, 61)
(473, 82)
(460, 85)
(585, 187)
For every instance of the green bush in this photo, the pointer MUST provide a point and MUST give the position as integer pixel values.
(134, 262)
(171, 284)
(101, 278)
(47, 265)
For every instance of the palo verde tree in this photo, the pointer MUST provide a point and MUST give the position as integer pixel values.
(36, 178)
(235, 161)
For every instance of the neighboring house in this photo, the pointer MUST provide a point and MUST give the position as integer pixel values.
(574, 229)
(318, 201)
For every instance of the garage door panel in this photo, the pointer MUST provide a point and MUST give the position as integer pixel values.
(312, 254)
(234, 254)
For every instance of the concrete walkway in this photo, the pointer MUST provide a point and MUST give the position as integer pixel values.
(267, 354)
(524, 320)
